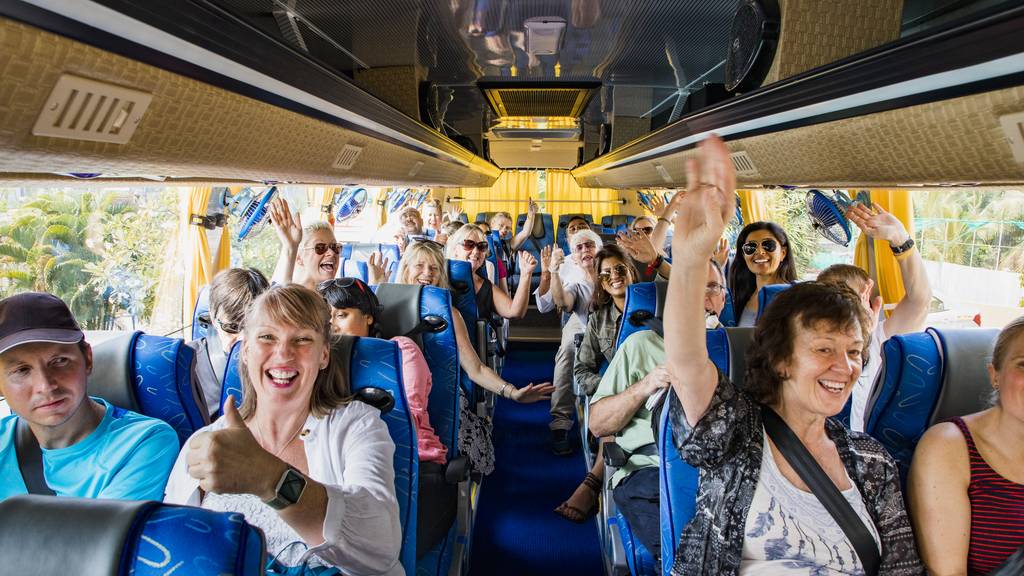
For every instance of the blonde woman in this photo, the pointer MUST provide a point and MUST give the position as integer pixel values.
(308, 255)
(469, 244)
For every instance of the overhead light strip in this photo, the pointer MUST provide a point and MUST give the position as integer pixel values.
(113, 22)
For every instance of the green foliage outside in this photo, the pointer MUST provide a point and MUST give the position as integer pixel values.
(789, 210)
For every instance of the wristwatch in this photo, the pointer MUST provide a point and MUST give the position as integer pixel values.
(902, 247)
(289, 489)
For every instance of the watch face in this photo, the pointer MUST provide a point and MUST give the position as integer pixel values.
(292, 486)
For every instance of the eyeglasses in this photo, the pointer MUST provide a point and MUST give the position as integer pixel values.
(343, 282)
(713, 288)
(469, 245)
(648, 230)
(769, 246)
(583, 245)
(427, 241)
(321, 247)
(229, 327)
(620, 270)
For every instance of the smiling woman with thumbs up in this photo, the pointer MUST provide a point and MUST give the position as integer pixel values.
(305, 465)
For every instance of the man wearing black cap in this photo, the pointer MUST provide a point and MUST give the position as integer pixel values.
(58, 439)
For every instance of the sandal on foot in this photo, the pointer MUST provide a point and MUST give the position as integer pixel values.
(574, 514)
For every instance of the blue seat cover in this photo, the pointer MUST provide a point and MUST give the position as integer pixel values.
(355, 269)
(765, 296)
(728, 316)
(613, 221)
(232, 377)
(199, 329)
(195, 542)
(162, 376)
(642, 296)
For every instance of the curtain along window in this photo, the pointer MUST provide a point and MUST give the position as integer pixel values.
(562, 186)
(199, 270)
(508, 194)
(890, 282)
(753, 206)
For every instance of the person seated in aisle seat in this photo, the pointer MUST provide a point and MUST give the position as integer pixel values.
(615, 275)
(754, 512)
(910, 313)
(305, 464)
(231, 293)
(447, 229)
(424, 264)
(432, 218)
(567, 284)
(966, 481)
(505, 225)
(763, 257)
(354, 312)
(308, 255)
(89, 448)
(469, 244)
(410, 226)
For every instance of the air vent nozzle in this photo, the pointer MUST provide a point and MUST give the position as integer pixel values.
(83, 109)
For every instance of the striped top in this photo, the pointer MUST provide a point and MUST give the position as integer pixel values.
(997, 512)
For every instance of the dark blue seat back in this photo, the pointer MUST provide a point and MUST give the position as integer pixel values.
(561, 236)
(232, 377)
(927, 377)
(728, 316)
(614, 221)
(151, 375)
(644, 300)
(678, 480)
(198, 541)
(355, 269)
(484, 217)
(765, 296)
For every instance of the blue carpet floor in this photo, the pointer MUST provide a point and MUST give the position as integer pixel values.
(517, 532)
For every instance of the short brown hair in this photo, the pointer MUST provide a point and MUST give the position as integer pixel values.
(845, 273)
(233, 290)
(806, 303)
(303, 308)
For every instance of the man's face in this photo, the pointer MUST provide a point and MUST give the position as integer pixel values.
(714, 291)
(412, 222)
(576, 225)
(45, 383)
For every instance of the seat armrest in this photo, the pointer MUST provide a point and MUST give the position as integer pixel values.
(457, 470)
(614, 455)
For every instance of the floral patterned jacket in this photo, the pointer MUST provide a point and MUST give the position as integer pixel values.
(726, 446)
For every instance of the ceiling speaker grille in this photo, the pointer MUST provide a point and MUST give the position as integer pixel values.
(83, 109)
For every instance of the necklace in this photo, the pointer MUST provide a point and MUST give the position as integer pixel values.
(285, 445)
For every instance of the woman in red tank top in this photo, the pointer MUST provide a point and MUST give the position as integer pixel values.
(967, 478)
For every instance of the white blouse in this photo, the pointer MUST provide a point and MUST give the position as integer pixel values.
(351, 454)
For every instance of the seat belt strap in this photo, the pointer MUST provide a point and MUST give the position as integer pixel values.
(823, 488)
(30, 460)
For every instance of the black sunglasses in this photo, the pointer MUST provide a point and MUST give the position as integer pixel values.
(343, 282)
(321, 247)
(648, 230)
(620, 270)
(769, 246)
(469, 245)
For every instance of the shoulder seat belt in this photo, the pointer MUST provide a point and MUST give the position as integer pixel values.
(30, 460)
(823, 488)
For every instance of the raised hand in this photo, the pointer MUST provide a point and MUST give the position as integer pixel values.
(557, 257)
(706, 208)
(721, 254)
(532, 210)
(658, 204)
(545, 259)
(878, 224)
(377, 269)
(400, 241)
(453, 214)
(231, 461)
(527, 263)
(533, 393)
(287, 227)
(638, 245)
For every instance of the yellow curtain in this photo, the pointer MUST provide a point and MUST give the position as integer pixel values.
(890, 282)
(508, 194)
(200, 267)
(222, 258)
(327, 195)
(562, 186)
(752, 206)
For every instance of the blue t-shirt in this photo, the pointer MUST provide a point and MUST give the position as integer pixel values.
(128, 456)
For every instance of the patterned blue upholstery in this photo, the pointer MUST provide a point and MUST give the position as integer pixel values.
(642, 296)
(638, 557)
(378, 363)
(678, 480)
(728, 315)
(909, 389)
(196, 542)
(534, 244)
(354, 269)
(200, 329)
(162, 377)
(561, 237)
(460, 276)
(232, 378)
(765, 296)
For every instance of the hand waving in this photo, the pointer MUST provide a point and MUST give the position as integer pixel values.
(637, 245)
(377, 269)
(545, 259)
(878, 224)
(533, 393)
(706, 208)
(287, 227)
(527, 263)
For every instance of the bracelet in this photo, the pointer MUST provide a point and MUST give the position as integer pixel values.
(654, 265)
(665, 220)
(504, 387)
(905, 247)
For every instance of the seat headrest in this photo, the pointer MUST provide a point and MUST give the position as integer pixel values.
(47, 535)
(113, 377)
(201, 325)
(966, 387)
(739, 343)
(460, 276)
(766, 294)
(341, 352)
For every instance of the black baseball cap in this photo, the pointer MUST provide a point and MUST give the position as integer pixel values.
(36, 317)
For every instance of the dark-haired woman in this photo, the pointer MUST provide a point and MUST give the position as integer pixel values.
(615, 273)
(762, 257)
(755, 514)
(354, 313)
(967, 479)
(314, 471)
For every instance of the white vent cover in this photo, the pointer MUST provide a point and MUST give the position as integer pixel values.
(1013, 127)
(347, 157)
(665, 176)
(83, 109)
(415, 169)
(744, 165)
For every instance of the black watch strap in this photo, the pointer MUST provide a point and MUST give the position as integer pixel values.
(289, 489)
(902, 247)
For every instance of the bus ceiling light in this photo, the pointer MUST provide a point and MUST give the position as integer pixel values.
(83, 109)
(665, 176)
(544, 35)
(415, 169)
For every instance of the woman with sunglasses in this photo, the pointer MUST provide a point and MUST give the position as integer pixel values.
(469, 244)
(424, 264)
(308, 255)
(615, 273)
(762, 258)
(355, 311)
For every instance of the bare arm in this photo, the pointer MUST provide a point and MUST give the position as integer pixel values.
(516, 307)
(939, 505)
(664, 215)
(531, 217)
(702, 214)
(559, 295)
(545, 270)
(611, 414)
(910, 313)
(289, 233)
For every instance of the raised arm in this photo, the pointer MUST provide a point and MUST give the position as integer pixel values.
(545, 271)
(701, 216)
(516, 307)
(910, 312)
(482, 374)
(664, 213)
(531, 218)
(564, 299)
(640, 247)
(289, 233)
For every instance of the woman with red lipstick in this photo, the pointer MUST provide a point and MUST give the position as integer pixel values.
(762, 257)
(311, 469)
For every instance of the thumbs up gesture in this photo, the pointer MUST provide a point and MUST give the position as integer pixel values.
(231, 461)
